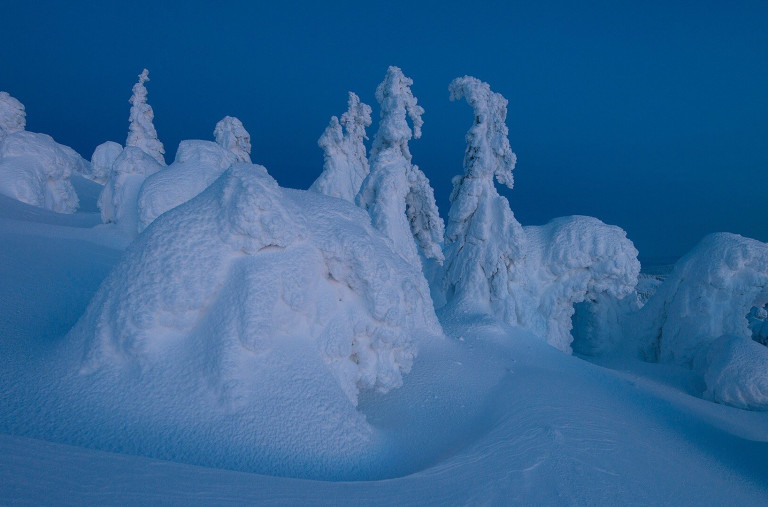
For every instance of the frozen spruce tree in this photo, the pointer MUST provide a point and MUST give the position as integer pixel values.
(231, 135)
(396, 193)
(483, 239)
(141, 132)
(346, 165)
(13, 118)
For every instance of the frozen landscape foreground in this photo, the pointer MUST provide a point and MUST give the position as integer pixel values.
(488, 415)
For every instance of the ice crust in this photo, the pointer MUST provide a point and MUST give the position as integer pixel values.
(346, 164)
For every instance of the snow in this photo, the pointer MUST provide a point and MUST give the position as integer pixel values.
(103, 159)
(141, 130)
(231, 135)
(346, 165)
(197, 165)
(13, 117)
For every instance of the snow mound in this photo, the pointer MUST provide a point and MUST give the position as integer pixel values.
(118, 201)
(197, 165)
(35, 169)
(246, 269)
(735, 371)
(102, 160)
(231, 135)
(567, 261)
(708, 294)
(13, 117)
(346, 165)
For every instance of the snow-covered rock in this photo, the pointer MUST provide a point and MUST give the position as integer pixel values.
(197, 165)
(13, 117)
(102, 160)
(36, 170)
(346, 165)
(735, 372)
(708, 294)
(141, 130)
(234, 281)
(118, 201)
(396, 193)
(231, 135)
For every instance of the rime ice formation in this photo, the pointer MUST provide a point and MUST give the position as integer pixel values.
(483, 239)
(532, 276)
(118, 201)
(346, 165)
(396, 193)
(231, 135)
(36, 170)
(141, 131)
(197, 165)
(246, 271)
(708, 294)
(13, 118)
(103, 158)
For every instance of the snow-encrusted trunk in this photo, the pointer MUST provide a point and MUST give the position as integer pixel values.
(346, 165)
(483, 239)
(231, 135)
(141, 131)
(396, 193)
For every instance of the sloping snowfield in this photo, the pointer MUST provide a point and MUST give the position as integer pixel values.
(490, 415)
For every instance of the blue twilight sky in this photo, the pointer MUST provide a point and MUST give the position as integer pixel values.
(649, 115)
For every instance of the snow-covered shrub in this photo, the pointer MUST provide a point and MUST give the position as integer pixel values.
(197, 165)
(13, 118)
(35, 169)
(141, 130)
(708, 294)
(103, 158)
(118, 201)
(396, 193)
(245, 272)
(483, 239)
(346, 165)
(735, 372)
(231, 135)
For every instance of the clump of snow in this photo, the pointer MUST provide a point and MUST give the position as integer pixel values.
(231, 135)
(735, 371)
(118, 201)
(708, 294)
(13, 118)
(346, 165)
(36, 170)
(758, 324)
(197, 165)
(246, 272)
(141, 130)
(103, 159)
(396, 193)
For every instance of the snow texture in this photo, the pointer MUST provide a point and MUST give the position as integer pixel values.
(13, 117)
(197, 165)
(483, 239)
(141, 130)
(102, 160)
(346, 165)
(231, 135)
(396, 194)
(708, 294)
(118, 201)
(36, 170)
(247, 271)
(735, 371)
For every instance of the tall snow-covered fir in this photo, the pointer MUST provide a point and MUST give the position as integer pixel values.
(141, 131)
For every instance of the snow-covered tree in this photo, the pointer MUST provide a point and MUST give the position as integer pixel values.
(396, 193)
(483, 238)
(346, 165)
(141, 132)
(102, 159)
(13, 118)
(231, 135)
